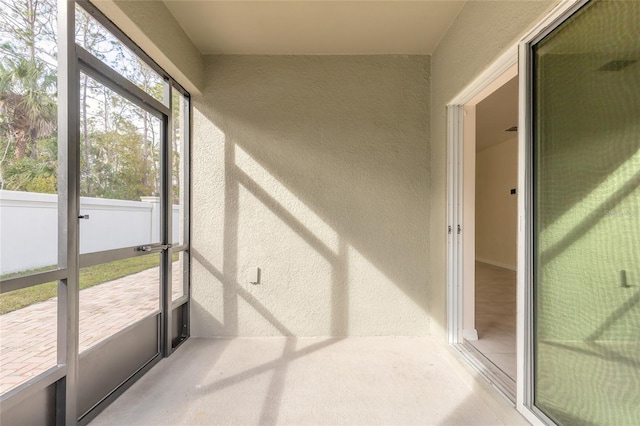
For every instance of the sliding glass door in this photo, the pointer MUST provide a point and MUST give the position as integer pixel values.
(586, 217)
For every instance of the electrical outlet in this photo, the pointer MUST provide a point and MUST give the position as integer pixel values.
(254, 275)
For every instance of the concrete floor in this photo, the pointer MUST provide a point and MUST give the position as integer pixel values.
(297, 381)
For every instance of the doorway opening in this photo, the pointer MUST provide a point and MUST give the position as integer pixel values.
(483, 216)
(496, 212)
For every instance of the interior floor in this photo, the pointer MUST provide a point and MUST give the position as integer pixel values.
(496, 316)
(368, 380)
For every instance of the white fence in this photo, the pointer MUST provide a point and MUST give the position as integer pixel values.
(29, 227)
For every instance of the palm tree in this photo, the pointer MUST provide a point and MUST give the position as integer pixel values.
(27, 104)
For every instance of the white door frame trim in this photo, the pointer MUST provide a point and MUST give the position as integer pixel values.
(517, 55)
(485, 84)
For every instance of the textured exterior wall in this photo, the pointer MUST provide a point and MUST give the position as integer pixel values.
(152, 27)
(482, 31)
(496, 207)
(315, 169)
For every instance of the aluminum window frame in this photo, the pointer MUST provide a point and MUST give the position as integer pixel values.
(72, 60)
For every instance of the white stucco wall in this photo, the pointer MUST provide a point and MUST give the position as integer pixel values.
(314, 169)
(241, 105)
(481, 32)
(496, 208)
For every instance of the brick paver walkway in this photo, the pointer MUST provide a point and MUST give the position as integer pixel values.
(28, 335)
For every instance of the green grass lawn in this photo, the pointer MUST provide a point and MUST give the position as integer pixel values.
(89, 277)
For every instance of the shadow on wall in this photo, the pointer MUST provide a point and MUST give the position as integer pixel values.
(587, 203)
(315, 170)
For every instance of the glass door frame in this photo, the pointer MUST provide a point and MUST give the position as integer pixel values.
(88, 64)
(525, 278)
(57, 388)
(519, 54)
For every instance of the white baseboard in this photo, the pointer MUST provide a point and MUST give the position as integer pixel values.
(498, 264)
(470, 334)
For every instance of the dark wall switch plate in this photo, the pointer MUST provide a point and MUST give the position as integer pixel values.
(513, 191)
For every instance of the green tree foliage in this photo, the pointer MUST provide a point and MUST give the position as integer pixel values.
(120, 149)
(26, 102)
(119, 142)
(27, 95)
(34, 175)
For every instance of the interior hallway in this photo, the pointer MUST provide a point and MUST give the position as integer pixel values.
(496, 316)
(297, 381)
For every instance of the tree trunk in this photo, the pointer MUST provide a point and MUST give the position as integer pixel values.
(21, 147)
(85, 141)
(145, 151)
(177, 158)
(33, 143)
(32, 15)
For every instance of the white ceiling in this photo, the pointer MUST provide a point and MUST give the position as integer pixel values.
(495, 113)
(320, 27)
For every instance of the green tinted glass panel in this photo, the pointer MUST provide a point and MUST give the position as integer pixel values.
(587, 217)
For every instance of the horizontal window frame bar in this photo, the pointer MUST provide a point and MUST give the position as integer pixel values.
(107, 256)
(130, 44)
(112, 79)
(25, 281)
(179, 301)
(180, 248)
(32, 386)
